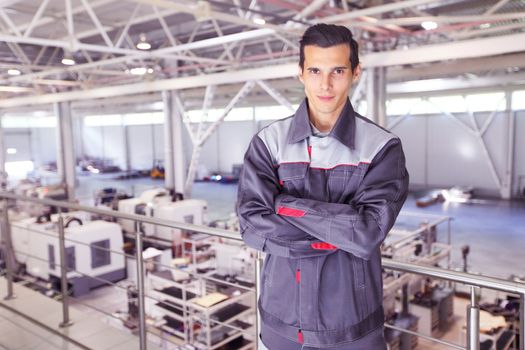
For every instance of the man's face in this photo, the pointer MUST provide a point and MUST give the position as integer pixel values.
(327, 77)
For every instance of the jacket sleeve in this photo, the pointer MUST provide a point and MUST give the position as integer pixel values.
(360, 226)
(261, 227)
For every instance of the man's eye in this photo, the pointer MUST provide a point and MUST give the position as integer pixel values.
(339, 71)
(314, 70)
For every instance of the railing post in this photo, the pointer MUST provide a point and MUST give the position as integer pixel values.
(449, 242)
(140, 286)
(9, 253)
(473, 322)
(63, 271)
(522, 321)
(258, 270)
(404, 300)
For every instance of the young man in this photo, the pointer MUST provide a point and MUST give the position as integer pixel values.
(318, 193)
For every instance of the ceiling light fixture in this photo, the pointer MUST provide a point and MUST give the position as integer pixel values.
(429, 25)
(143, 43)
(68, 59)
(260, 21)
(485, 25)
(13, 71)
(138, 71)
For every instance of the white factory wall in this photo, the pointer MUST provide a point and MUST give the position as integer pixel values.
(44, 145)
(38, 145)
(226, 147)
(145, 142)
(19, 140)
(443, 153)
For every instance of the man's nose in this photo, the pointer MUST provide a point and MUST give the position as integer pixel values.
(326, 82)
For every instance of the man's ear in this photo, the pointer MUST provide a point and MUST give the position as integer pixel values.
(356, 73)
(300, 74)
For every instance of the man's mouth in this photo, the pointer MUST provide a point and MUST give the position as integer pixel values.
(325, 98)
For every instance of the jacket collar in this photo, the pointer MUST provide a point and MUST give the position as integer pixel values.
(343, 130)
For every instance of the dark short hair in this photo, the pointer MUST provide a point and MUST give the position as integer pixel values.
(327, 35)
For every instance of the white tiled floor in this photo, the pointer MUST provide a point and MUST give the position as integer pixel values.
(18, 333)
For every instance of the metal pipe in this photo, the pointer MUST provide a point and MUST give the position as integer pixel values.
(449, 239)
(473, 322)
(169, 167)
(9, 253)
(140, 286)
(404, 300)
(258, 271)
(522, 321)
(63, 272)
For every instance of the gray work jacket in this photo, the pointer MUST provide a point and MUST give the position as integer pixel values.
(320, 208)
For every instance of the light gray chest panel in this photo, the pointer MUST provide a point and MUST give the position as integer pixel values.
(327, 152)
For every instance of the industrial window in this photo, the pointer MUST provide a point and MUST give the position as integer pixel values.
(450, 104)
(100, 254)
(124, 119)
(239, 114)
(494, 101)
(518, 100)
(51, 256)
(410, 106)
(273, 112)
(16, 121)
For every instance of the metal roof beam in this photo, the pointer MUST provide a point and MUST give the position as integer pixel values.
(447, 51)
(457, 67)
(435, 85)
(428, 53)
(376, 10)
(475, 20)
(202, 13)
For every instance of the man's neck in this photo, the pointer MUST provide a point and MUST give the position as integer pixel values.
(324, 122)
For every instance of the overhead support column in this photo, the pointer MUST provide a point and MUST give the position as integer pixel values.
(179, 162)
(376, 95)
(174, 163)
(507, 183)
(3, 174)
(65, 149)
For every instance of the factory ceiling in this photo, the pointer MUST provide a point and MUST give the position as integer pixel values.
(70, 50)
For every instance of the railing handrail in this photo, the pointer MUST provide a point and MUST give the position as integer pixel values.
(456, 276)
(430, 271)
(155, 221)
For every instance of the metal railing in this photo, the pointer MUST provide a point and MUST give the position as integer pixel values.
(474, 281)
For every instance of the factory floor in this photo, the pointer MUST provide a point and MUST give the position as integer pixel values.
(42, 332)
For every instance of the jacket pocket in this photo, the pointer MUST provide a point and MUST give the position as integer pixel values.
(279, 289)
(292, 178)
(339, 300)
(360, 283)
(342, 183)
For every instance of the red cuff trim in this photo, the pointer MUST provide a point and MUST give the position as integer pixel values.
(296, 213)
(298, 276)
(323, 246)
(300, 337)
